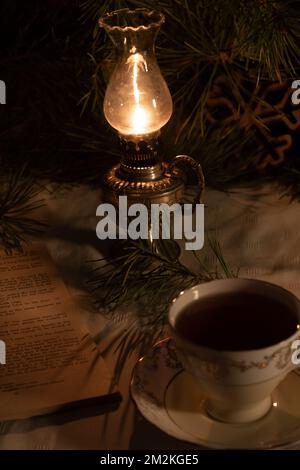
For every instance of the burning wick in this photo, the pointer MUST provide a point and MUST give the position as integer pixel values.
(140, 117)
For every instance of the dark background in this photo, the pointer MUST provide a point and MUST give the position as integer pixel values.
(43, 61)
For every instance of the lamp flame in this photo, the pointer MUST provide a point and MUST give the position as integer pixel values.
(140, 117)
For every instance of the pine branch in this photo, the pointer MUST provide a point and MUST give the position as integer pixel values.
(244, 40)
(139, 285)
(270, 31)
(18, 202)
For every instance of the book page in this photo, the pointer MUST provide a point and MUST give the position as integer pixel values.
(51, 360)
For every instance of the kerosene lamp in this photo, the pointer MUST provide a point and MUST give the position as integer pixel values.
(138, 104)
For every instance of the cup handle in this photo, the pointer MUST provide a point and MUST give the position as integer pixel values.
(196, 167)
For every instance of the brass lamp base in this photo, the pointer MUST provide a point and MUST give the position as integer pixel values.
(144, 178)
(169, 188)
(141, 176)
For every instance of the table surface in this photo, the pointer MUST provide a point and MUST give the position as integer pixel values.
(259, 232)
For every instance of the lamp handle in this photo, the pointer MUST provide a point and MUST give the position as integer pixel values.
(196, 167)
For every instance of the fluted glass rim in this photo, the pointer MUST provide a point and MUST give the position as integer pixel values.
(158, 19)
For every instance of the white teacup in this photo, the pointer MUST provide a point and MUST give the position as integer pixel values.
(238, 384)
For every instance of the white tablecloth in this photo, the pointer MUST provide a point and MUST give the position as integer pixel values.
(259, 233)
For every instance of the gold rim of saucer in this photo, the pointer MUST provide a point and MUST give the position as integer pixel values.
(152, 378)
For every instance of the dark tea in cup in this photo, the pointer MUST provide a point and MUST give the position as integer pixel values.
(236, 322)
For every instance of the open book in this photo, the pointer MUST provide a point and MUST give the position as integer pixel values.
(51, 362)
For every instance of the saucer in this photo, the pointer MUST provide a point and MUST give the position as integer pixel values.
(171, 399)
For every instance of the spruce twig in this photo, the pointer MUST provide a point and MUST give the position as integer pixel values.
(18, 203)
(137, 288)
